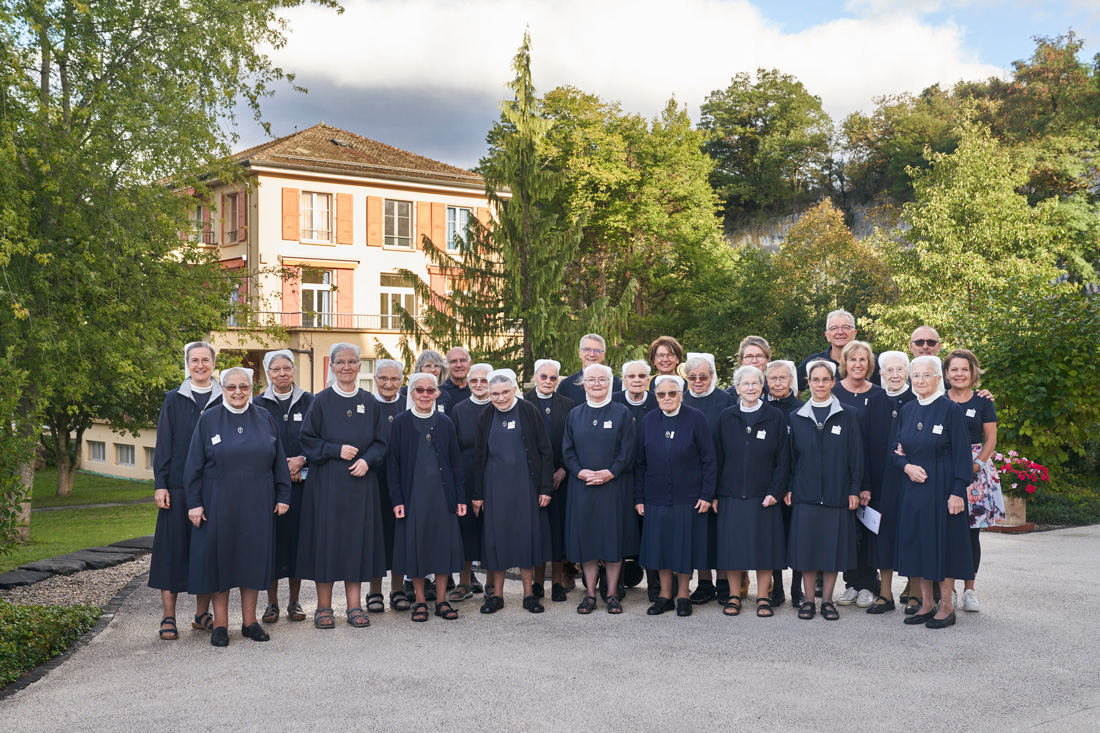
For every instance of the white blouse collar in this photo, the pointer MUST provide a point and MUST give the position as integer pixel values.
(542, 396)
(602, 403)
(424, 417)
(759, 404)
(509, 407)
(342, 393)
(632, 402)
(382, 399)
(237, 410)
(713, 384)
(476, 401)
(928, 400)
(674, 413)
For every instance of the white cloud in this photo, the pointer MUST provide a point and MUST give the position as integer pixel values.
(639, 52)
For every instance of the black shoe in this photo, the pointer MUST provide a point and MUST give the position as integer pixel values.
(601, 583)
(920, 618)
(492, 604)
(941, 623)
(450, 582)
(531, 603)
(408, 588)
(776, 597)
(255, 632)
(818, 589)
(877, 608)
(429, 590)
(653, 592)
(912, 606)
(683, 606)
(475, 587)
(219, 637)
(705, 592)
(660, 606)
(797, 596)
(558, 594)
(539, 590)
(723, 589)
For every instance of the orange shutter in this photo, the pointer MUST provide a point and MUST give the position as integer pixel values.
(374, 221)
(292, 297)
(345, 299)
(439, 225)
(483, 216)
(242, 216)
(292, 212)
(226, 224)
(206, 232)
(424, 224)
(344, 231)
(326, 371)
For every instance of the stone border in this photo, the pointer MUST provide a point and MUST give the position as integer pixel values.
(105, 617)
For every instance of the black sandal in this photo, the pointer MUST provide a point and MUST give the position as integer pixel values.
(828, 611)
(323, 618)
(445, 611)
(807, 610)
(764, 608)
(614, 605)
(881, 605)
(376, 603)
(399, 601)
(732, 607)
(294, 612)
(171, 633)
(420, 612)
(587, 606)
(271, 614)
(460, 593)
(358, 618)
(203, 622)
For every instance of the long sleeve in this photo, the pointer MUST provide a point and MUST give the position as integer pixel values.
(546, 453)
(628, 445)
(569, 451)
(639, 468)
(393, 463)
(899, 461)
(781, 474)
(719, 452)
(961, 460)
(454, 456)
(705, 443)
(316, 449)
(856, 460)
(162, 454)
(193, 468)
(375, 452)
(481, 455)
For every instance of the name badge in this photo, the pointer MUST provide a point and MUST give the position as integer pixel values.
(971, 412)
(297, 417)
(836, 430)
(216, 439)
(937, 429)
(360, 409)
(440, 408)
(761, 434)
(511, 424)
(607, 424)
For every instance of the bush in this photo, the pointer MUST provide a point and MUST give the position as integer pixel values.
(1072, 500)
(32, 635)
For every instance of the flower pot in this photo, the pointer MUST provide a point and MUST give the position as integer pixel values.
(1015, 510)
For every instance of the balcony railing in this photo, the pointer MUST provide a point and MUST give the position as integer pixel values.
(339, 321)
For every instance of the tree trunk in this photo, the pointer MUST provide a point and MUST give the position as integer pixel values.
(26, 475)
(66, 463)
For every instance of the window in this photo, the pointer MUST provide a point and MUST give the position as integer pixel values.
(124, 454)
(150, 453)
(458, 221)
(316, 215)
(234, 305)
(97, 451)
(397, 223)
(203, 232)
(316, 298)
(397, 293)
(229, 216)
(366, 375)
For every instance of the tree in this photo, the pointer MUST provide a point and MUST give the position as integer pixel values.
(770, 142)
(16, 443)
(112, 125)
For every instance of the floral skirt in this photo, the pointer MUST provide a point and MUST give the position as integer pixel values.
(985, 501)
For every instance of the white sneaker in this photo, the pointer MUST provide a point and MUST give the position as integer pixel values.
(970, 601)
(865, 599)
(848, 598)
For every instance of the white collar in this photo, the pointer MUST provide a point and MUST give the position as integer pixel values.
(202, 390)
(674, 413)
(476, 401)
(928, 400)
(632, 402)
(759, 404)
(424, 417)
(542, 396)
(237, 410)
(514, 400)
(384, 401)
(899, 393)
(283, 397)
(815, 403)
(605, 401)
(342, 393)
(713, 384)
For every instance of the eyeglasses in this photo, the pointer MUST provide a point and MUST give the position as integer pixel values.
(925, 342)
(590, 350)
(754, 383)
(597, 380)
(665, 395)
(388, 380)
(753, 357)
(478, 381)
(698, 377)
(500, 395)
(548, 377)
(424, 390)
(834, 329)
(238, 387)
(821, 380)
(341, 362)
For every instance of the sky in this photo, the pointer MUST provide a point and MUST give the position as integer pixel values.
(428, 75)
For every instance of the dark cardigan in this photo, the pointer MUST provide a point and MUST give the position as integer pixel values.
(757, 462)
(559, 412)
(401, 458)
(536, 443)
(827, 462)
(682, 473)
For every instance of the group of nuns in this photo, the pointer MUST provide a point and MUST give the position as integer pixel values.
(422, 479)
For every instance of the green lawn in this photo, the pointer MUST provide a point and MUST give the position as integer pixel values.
(56, 533)
(88, 488)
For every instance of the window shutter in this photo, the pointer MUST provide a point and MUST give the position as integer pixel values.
(242, 215)
(374, 221)
(484, 217)
(424, 225)
(292, 213)
(292, 297)
(326, 371)
(223, 216)
(439, 225)
(345, 299)
(206, 232)
(344, 230)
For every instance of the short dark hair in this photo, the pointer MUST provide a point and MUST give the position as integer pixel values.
(669, 343)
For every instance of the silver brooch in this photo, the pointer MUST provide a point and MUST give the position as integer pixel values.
(240, 430)
(748, 430)
(428, 437)
(349, 413)
(390, 418)
(668, 434)
(894, 413)
(920, 426)
(547, 410)
(286, 417)
(504, 423)
(595, 423)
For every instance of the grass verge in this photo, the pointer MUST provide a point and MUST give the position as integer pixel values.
(32, 635)
(56, 533)
(88, 488)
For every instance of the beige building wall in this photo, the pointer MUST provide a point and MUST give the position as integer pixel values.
(118, 454)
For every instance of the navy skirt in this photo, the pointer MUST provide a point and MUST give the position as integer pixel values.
(750, 536)
(822, 538)
(287, 527)
(168, 567)
(674, 538)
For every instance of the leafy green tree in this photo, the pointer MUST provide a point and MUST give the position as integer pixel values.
(17, 441)
(770, 140)
(103, 104)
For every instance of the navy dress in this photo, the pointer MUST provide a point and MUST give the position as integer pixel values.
(289, 417)
(881, 546)
(555, 409)
(180, 413)
(236, 471)
(649, 404)
(517, 530)
(932, 543)
(753, 463)
(464, 416)
(341, 530)
(712, 405)
(428, 539)
(598, 438)
(389, 410)
(674, 469)
(568, 387)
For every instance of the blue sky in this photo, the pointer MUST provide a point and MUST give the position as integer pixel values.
(427, 75)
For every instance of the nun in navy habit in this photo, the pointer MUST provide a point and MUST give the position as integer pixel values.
(341, 538)
(933, 449)
(703, 395)
(180, 413)
(554, 408)
(674, 480)
(827, 467)
(639, 399)
(782, 376)
(753, 450)
(598, 449)
(513, 484)
(464, 415)
(288, 404)
(388, 375)
(428, 496)
(237, 481)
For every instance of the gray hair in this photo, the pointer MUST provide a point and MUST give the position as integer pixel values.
(343, 346)
(697, 360)
(197, 345)
(747, 371)
(637, 362)
(791, 368)
(540, 363)
(430, 356)
(271, 356)
(233, 370)
(674, 378)
(840, 312)
(387, 364)
(927, 359)
(592, 337)
(482, 367)
(603, 368)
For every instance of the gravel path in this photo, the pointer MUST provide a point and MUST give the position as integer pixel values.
(87, 588)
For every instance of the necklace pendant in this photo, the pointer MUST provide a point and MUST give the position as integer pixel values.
(428, 437)
(240, 430)
(748, 430)
(349, 413)
(286, 417)
(920, 426)
(547, 410)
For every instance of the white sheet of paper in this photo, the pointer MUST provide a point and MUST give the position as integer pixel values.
(870, 518)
